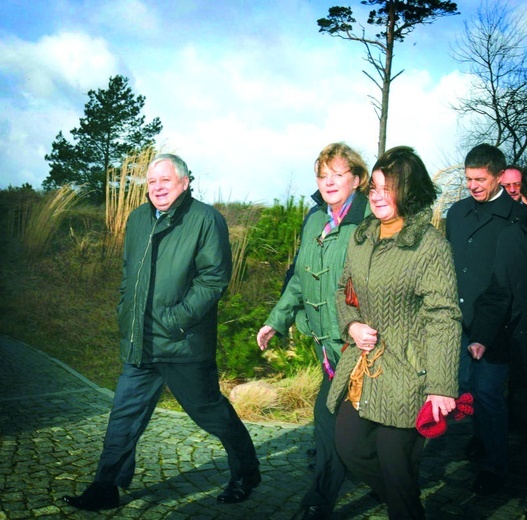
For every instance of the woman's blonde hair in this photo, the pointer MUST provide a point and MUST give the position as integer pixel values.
(355, 162)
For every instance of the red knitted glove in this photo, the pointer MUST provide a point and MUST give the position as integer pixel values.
(464, 406)
(426, 425)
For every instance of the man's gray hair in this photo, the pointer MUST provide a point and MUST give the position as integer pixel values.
(179, 164)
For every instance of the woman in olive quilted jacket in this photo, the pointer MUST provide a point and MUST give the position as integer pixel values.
(397, 308)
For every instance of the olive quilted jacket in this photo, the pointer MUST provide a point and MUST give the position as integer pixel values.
(406, 288)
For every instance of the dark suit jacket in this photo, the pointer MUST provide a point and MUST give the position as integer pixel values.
(505, 300)
(473, 229)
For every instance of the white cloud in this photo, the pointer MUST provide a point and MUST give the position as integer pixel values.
(248, 133)
(25, 137)
(421, 116)
(49, 79)
(43, 68)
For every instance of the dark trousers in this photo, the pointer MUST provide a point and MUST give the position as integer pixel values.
(385, 458)
(196, 388)
(488, 384)
(329, 469)
(517, 395)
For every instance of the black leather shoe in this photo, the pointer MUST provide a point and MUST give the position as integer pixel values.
(487, 483)
(239, 490)
(315, 513)
(97, 496)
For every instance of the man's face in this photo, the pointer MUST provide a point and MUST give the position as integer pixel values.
(164, 185)
(481, 184)
(511, 180)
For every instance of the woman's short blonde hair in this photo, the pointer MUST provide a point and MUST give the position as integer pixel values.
(355, 162)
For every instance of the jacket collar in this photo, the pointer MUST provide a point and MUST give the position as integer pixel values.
(501, 207)
(355, 215)
(414, 228)
(181, 202)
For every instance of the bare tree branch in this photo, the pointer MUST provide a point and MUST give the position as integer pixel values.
(494, 48)
(396, 19)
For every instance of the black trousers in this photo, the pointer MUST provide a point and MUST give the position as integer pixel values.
(384, 457)
(196, 388)
(329, 469)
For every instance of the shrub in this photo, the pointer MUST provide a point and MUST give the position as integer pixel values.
(276, 236)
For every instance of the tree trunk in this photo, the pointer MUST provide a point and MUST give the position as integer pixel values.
(386, 81)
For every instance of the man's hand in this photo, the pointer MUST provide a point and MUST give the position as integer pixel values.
(264, 335)
(476, 350)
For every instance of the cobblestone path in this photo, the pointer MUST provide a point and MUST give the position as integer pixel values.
(52, 421)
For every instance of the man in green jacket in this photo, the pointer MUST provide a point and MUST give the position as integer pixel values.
(176, 266)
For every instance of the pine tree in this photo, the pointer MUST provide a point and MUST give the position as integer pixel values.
(112, 127)
(394, 19)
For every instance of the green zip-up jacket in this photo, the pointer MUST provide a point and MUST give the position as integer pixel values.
(175, 269)
(406, 288)
(309, 297)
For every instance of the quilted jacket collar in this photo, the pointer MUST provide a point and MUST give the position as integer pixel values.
(413, 229)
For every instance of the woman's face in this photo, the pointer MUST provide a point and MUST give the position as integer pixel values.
(336, 182)
(382, 198)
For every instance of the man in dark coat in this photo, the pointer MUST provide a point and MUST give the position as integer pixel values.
(176, 266)
(473, 226)
(505, 303)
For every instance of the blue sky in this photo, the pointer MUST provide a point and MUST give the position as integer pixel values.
(248, 92)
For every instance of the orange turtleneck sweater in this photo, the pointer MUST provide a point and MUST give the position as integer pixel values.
(390, 227)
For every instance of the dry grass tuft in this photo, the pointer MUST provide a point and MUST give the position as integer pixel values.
(291, 401)
(126, 189)
(254, 400)
(300, 392)
(45, 219)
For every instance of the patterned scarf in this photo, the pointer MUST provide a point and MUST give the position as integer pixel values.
(336, 219)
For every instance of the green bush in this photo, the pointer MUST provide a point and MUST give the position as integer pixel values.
(276, 236)
(239, 356)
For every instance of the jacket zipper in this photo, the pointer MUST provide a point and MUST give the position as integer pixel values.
(141, 264)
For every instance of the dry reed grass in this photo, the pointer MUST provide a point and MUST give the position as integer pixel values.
(126, 189)
(45, 219)
(18, 216)
(452, 182)
(239, 237)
